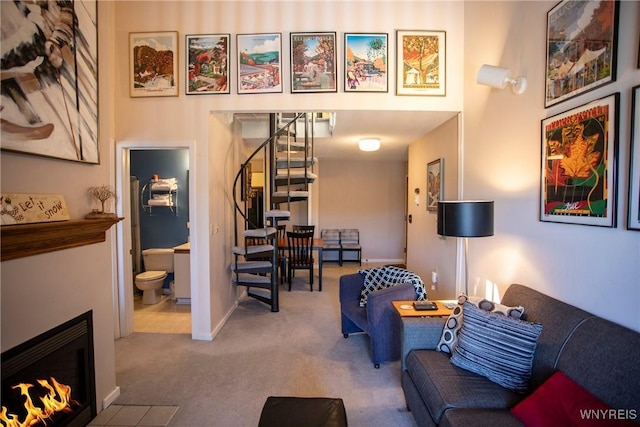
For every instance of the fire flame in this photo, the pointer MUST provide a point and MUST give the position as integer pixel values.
(58, 399)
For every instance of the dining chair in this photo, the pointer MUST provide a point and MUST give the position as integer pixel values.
(282, 253)
(300, 257)
(304, 228)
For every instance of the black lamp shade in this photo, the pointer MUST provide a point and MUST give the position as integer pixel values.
(465, 218)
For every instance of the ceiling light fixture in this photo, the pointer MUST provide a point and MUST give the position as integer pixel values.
(369, 144)
(499, 78)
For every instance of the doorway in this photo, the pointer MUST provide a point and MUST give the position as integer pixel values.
(125, 301)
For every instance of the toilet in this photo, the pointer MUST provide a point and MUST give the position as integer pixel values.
(157, 263)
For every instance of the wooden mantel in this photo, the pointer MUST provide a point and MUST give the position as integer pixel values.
(24, 240)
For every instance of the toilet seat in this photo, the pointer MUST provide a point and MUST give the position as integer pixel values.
(151, 275)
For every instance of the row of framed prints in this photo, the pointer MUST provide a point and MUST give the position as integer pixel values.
(580, 164)
(313, 65)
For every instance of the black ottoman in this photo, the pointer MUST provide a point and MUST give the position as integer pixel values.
(303, 412)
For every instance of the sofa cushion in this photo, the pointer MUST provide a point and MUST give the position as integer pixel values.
(448, 386)
(384, 277)
(562, 401)
(498, 347)
(449, 337)
(480, 418)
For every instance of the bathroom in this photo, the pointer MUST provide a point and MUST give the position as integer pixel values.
(160, 220)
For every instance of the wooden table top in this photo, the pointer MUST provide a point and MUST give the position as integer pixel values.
(405, 309)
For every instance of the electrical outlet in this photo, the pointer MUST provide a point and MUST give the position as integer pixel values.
(434, 277)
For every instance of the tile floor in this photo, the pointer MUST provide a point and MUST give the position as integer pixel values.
(134, 415)
(165, 317)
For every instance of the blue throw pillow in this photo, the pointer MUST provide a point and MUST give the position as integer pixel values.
(496, 346)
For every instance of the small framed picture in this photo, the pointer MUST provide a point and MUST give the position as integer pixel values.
(313, 62)
(365, 62)
(579, 164)
(435, 184)
(153, 62)
(633, 214)
(421, 63)
(259, 63)
(582, 45)
(207, 64)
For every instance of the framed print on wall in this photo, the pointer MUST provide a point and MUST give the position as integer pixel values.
(365, 62)
(582, 39)
(259, 63)
(153, 64)
(579, 164)
(633, 206)
(207, 64)
(50, 79)
(421, 63)
(313, 62)
(435, 184)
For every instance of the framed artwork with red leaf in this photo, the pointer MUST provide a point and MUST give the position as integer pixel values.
(579, 164)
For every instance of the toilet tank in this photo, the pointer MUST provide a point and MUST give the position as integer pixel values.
(158, 259)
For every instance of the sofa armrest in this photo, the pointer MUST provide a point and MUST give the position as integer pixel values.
(351, 286)
(420, 333)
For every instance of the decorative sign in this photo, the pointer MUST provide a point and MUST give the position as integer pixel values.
(29, 208)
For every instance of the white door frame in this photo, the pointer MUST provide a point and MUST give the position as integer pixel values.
(124, 284)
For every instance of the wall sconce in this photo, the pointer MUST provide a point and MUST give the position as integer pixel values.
(369, 144)
(499, 78)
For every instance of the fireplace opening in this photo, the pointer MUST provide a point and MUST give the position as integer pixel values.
(50, 379)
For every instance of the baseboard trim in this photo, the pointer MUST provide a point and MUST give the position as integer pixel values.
(210, 336)
(111, 397)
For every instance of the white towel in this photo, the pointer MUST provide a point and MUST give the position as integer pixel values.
(162, 196)
(156, 202)
(161, 186)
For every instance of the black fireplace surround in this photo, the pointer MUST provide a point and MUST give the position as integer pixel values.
(64, 353)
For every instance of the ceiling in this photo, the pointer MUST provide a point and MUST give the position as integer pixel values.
(395, 129)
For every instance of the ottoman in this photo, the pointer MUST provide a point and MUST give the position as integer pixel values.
(282, 411)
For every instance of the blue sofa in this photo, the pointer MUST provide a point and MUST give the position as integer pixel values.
(602, 357)
(377, 319)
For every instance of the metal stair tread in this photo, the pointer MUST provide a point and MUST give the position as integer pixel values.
(277, 213)
(240, 250)
(252, 265)
(290, 193)
(260, 232)
(252, 279)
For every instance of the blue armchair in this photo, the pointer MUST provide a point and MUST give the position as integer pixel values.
(378, 319)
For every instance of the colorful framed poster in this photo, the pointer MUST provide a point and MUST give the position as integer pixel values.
(421, 63)
(633, 204)
(579, 164)
(153, 64)
(50, 79)
(313, 62)
(365, 62)
(259, 63)
(207, 62)
(435, 184)
(582, 45)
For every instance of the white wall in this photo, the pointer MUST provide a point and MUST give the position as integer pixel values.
(592, 267)
(426, 251)
(369, 196)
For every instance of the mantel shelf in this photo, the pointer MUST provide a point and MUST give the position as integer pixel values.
(24, 240)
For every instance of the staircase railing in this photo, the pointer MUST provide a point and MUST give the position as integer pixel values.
(242, 174)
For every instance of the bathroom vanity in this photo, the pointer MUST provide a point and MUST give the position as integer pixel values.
(182, 273)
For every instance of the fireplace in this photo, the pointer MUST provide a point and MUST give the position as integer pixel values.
(59, 366)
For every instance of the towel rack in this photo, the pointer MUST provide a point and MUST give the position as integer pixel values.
(166, 198)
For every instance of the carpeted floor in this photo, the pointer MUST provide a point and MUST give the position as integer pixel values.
(298, 351)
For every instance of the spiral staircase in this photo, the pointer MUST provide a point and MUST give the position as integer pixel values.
(288, 174)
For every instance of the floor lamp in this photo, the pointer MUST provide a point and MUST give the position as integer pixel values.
(465, 218)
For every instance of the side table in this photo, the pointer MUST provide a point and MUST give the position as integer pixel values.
(405, 309)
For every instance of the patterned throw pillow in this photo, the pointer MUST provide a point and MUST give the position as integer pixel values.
(449, 336)
(497, 347)
(384, 277)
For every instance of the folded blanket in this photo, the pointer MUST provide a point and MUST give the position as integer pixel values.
(384, 277)
(160, 202)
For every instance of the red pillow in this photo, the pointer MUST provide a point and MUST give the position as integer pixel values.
(560, 401)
